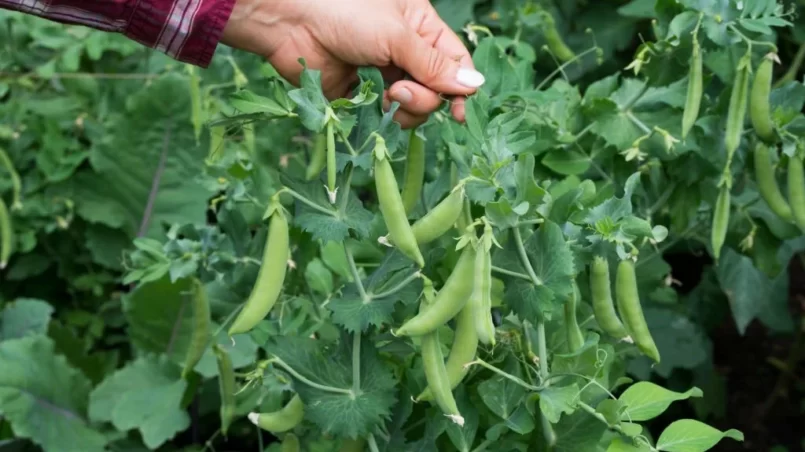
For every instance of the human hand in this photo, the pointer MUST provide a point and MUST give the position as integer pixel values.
(338, 36)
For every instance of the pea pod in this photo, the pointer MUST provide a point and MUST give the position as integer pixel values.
(767, 183)
(440, 219)
(737, 108)
(603, 306)
(16, 185)
(226, 386)
(481, 298)
(414, 172)
(331, 165)
(721, 219)
(435, 369)
(450, 300)
(796, 190)
(628, 300)
(282, 420)
(318, 157)
(759, 108)
(201, 327)
(391, 206)
(6, 234)
(575, 337)
(462, 351)
(554, 40)
(693, 101)
(271, 276)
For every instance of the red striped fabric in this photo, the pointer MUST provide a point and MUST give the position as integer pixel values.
(187, 30)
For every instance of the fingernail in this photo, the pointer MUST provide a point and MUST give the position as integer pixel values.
(403, 95)
(470, 77)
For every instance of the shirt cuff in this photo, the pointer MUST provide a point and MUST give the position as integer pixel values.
(186, 30)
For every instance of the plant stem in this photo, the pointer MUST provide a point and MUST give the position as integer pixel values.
(530, 222)
(308, 202)
(503, 374)
(353, 269)
(398, 287)
(640, 125)
(542, 352)
(518, 240)
(307, 381)
(591, 411)
(503, 271)
(791, 74)
(372, 443)
(482, 447)
(356, 363)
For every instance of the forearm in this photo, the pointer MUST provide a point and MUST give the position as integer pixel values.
(187, 30)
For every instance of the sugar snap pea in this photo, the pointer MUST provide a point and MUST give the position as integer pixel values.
(628, 299)
(481, 298)
(736, 114)
(414, 172)
(440, 219)
(693, 100)
(603, 306)
(721, 219)
(282, 420)
(767, 184)
(796, 189)
(575, 337)
(226, 386)
(759, 108)
(6, 234)
(201, 332)
(318, 157)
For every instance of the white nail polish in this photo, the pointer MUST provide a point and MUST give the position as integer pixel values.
(469, 77)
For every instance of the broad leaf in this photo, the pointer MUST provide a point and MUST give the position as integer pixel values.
(645, 400)
(688, 435)
(24, 316)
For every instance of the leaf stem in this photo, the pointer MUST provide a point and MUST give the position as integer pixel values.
(530, 222)
(591, 411)
(796, 64)
(308, 202)
(398, 287)
(372, 443)
(353, 269)
(514, 274)
(503, 374)
(518, 240)
(345, 138)
(356, 363)
(640, 125)
(307, 381)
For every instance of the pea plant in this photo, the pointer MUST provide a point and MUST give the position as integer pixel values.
(497, 284)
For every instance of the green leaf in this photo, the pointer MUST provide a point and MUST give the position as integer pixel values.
(331, 365)
(567, 162)
(463, 436)
(552, 262)
(23, 317)
(622, 445)
(247, 102)
(749, 290)
(611, 410)
(145, 395)
(150, 144)
(242, 353)
(335, 227)
(318, 277)
(95, 364)
(688, 435)
(501, 395)
(310, 100)
(578, 431)
(555, 400)
(43, 398)
(645, 400)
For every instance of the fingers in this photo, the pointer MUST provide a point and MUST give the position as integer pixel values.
(433, 67)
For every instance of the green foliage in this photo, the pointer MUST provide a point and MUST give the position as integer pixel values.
(138, 175)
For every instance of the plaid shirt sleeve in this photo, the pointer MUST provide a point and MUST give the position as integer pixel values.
(186, 30)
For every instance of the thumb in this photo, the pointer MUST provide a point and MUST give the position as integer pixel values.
(432, 67)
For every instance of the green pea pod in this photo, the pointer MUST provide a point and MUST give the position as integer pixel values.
(462, 351)
(554, 40)
(440, 219)
(352, 445)
(332, 171)
(282, 420)
(575, 337)
(481, 298)
(796, 190)
(6, 234)
(767, 183)
(249, 139)
(290, 443)
(391, 207)
(737, 108)
(693, 101)
(628, 300)
(435, 369)
(759, 108)
(271, 276)
(201, 334)
(721, 219)
(226, 386)
(449, 301)
(16, 185)
(414, 172)
(318, 157)
(603, 306)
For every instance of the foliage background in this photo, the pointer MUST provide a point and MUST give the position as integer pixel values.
(110, 148)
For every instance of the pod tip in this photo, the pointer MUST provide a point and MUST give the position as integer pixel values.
(254, 417)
